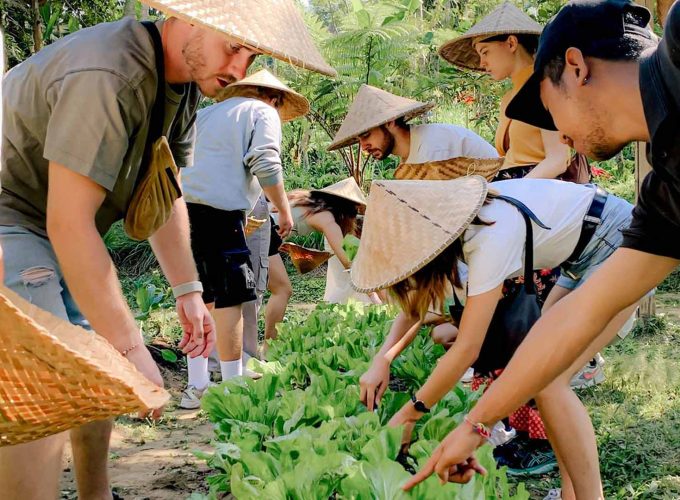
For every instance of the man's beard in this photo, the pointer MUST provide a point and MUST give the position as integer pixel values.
(598, 148)
(387, 147)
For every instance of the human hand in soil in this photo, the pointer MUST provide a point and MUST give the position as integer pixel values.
(374, 383)
(453, 460)
(141, 358)
(197, 324)
(407, 417)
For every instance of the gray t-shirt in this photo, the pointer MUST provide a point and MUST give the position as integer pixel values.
(85, 102)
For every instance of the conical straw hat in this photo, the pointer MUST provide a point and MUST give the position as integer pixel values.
(305, 259)
(55, 376)
(273, 27)
(506, 19)
(452, 168)
(347, 189)
(294, 104)
(371, 108)
(409, 223)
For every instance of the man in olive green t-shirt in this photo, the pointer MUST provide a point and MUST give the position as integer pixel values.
(76, 116)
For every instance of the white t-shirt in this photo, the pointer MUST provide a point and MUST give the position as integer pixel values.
(441, 141)
(495, 253)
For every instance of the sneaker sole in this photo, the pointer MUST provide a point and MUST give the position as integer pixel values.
(584, 384)
(533, 471)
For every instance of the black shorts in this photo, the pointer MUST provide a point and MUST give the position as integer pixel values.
(275, 240)
(218, 243)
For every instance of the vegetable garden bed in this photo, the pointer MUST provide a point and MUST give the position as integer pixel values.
(300, 432)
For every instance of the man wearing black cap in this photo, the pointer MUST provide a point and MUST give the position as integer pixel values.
(601, 81)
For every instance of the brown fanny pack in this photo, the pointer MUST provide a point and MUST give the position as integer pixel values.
(157, 187)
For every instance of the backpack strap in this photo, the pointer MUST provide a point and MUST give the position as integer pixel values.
(158, 110)
(528, 217)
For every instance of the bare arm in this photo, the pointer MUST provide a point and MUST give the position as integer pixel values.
(556, 157)
(450, 368)
(72, 203)
(277, 195)
(171, 245)
(325, 222)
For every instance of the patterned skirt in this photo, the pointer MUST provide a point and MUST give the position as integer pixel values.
(525, 419)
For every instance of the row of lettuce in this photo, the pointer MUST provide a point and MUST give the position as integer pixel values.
(301, 432)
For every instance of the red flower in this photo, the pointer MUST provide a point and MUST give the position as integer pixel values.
(545, 272)
(600, 172)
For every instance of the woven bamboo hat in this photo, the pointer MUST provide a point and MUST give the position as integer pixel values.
(452, 168)
(347, 189)
(305, 259)
(55, 376)
(294, 104)
(506, 19)
(373, 107)
(409, 223)
(273, 27)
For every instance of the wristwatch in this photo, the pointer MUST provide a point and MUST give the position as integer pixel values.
(419, 405)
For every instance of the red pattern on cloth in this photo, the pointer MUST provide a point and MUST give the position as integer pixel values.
(526, 418)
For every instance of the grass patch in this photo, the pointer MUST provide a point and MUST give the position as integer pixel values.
(636, 414)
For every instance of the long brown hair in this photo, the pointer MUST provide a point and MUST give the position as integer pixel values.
(428, 286)
(344, 211)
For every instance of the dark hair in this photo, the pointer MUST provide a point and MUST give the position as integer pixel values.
(626, 48)
(527, 41)
(344, 211)
(427, 286)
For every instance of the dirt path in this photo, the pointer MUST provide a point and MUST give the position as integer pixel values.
(155, 461)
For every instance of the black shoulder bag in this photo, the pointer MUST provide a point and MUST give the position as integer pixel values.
(516, 313)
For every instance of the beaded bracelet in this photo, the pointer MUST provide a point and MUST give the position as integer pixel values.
(127, 351)
(479, 428)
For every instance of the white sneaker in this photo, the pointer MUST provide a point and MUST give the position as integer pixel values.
(191, 397)
(590, 375)
(500, 435)
(554, 494)
(468, 376)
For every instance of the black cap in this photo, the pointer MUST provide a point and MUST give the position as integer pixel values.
(593, 26)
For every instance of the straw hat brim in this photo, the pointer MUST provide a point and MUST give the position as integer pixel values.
(305, 259)
(347, 189)
(361, 128)
(453, 168)
(461, 52)
(505, 19)
(56, 376)
(408, 223)
(294, 105)
(273, 28)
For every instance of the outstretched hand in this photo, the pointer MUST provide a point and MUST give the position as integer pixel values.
(453, 460)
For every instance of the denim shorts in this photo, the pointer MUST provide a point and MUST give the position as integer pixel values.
(616, 216)
(32, 271)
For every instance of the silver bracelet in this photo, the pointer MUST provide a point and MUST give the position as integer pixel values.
(186, 288)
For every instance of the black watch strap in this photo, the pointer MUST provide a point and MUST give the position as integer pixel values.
(419, 405)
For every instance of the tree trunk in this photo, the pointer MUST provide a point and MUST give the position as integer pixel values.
(662, 8)
(37, 26)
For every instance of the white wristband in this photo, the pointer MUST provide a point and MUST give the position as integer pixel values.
(186, 288)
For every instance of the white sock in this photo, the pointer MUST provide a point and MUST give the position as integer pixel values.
(198, 372)
(231, 369)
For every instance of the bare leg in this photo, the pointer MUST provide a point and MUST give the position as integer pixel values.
(281, 291)
(444, 334)
(90, 444)
(32, 470)
(567, 421)
(229, 326)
